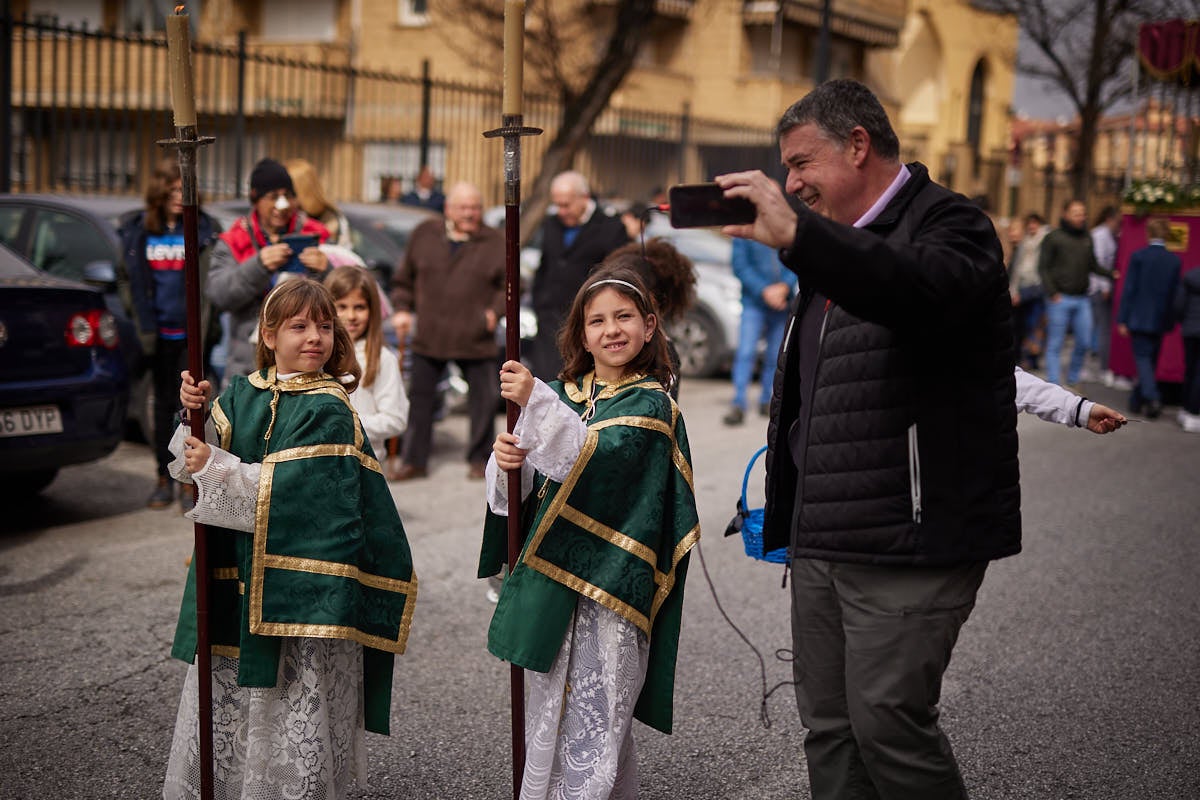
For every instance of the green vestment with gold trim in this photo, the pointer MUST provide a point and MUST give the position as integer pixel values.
(617, 530)
(328, 557)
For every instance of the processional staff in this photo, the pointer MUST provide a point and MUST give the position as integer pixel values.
(183, 103)
(511, 130)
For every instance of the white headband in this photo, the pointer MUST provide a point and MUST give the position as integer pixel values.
(619, 282)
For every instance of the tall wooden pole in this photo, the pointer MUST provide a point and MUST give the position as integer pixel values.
(511, 130)
(183, 101)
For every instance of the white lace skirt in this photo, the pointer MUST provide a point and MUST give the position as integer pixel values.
(303, 738)
(579, 715)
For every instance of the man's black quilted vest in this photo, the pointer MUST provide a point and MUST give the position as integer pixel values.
(911, 451)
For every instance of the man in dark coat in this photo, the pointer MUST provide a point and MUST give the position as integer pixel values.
(892, 468)
(1145, 314)
(452, 281)
(574, 240)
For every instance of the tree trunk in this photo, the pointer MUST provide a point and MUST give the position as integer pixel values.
(1082, 171)
(582, 111)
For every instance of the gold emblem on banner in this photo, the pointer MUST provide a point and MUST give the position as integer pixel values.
(1177, 239)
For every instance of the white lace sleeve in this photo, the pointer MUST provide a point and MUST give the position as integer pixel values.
(228, 492)
(176, 469)
(497, 485)
(552, 433)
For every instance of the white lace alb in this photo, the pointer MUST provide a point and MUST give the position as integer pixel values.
(579, 719)
(302, 738)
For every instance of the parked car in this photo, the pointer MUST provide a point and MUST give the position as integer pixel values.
(707, 335)
(75, 238)
(64, 386)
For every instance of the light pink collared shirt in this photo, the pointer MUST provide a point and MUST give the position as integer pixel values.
(880, 204)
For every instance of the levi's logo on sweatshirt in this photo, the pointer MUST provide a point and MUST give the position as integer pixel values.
(165, 252)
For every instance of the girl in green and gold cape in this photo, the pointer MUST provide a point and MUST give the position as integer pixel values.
(592, 608)
(312, 588)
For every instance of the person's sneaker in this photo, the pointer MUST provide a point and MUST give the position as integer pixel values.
(1121, 383)
(1153, 409)
(476, 472)
(163, 494)
(1107, 378)
(1189, 422)
(735, 416)
(186, 501)
(493, 590)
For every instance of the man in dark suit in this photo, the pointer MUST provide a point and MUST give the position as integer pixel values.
(574, 240)
(1145, 314)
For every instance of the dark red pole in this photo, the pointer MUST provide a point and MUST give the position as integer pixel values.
(512, 352)
(195, 344)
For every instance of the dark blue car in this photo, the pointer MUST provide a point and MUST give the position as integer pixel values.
(64, 385)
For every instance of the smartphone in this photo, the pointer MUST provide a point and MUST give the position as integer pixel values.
(299, 242)
(704, 205)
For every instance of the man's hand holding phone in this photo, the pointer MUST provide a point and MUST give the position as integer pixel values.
(774, 223)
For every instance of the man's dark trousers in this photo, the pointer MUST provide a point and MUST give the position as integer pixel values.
(483, 396)
(871, 645)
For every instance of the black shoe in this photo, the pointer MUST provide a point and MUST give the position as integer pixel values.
(765, 409)
(163, 494)
(1135, 406)
(1153, 409)
(735, 416)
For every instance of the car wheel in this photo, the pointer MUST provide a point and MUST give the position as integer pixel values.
(23, 484)
(698, 339)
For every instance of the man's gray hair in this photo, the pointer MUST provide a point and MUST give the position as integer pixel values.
(837, 108)
(574, 180)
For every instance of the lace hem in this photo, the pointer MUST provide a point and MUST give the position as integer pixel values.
(579, 722)
(302, 738)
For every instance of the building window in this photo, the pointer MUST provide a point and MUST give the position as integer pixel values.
(779, 53)
(413, 13)
(69, 12)
(975, 107)
(299, 20)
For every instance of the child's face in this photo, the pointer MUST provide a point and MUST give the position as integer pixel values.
(614, 332)
(355, 314)
(300, 344)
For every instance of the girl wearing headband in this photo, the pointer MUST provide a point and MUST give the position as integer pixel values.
(591, 610)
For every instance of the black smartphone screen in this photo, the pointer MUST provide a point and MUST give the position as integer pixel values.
(704, 205)
(299, 242)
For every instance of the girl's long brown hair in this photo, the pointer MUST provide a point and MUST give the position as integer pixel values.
(346, 280)
(158, 194)
(303, 297)
(654, 359)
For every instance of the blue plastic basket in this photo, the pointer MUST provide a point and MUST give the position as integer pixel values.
(752, 522)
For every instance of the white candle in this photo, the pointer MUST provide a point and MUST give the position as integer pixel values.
(179, 58)
(514, 55)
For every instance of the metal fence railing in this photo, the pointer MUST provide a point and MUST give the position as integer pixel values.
(87, 106)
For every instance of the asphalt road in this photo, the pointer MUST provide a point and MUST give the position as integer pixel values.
(1078, 675)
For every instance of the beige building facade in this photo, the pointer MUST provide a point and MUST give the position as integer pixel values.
(708, 84)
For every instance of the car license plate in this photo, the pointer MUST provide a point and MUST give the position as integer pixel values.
(30, 421)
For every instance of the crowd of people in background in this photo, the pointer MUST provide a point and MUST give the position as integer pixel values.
(1062, 284)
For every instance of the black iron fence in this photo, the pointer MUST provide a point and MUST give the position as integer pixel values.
(86, 107)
